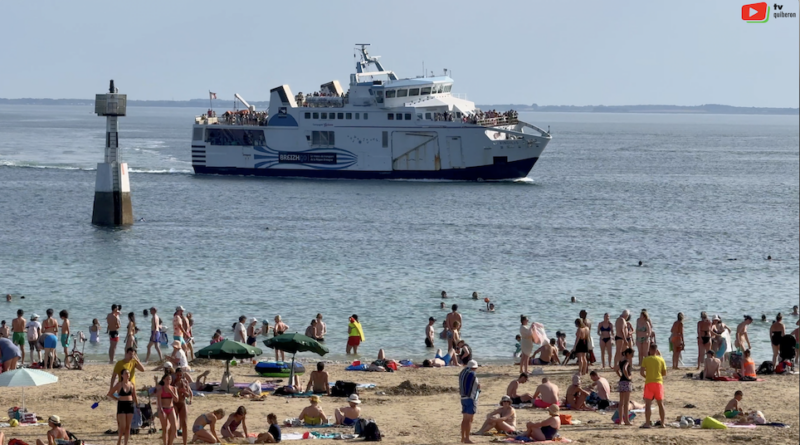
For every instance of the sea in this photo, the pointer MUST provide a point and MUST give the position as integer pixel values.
(701, 200)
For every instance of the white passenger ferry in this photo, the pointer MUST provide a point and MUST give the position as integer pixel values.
(382, 127)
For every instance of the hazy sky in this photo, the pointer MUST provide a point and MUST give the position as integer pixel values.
(546, 52)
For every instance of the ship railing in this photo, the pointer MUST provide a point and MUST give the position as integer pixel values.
(260, 120)
(324, 102)
(495, 121)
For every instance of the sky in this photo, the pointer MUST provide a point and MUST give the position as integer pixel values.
(522, 52)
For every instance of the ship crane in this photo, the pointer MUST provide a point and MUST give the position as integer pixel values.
(244, 102)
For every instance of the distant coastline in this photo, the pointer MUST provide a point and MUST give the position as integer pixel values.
(261, 105)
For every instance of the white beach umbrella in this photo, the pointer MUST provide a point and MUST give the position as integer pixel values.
(20, 378)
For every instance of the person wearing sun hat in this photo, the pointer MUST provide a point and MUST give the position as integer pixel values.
(348, 415)
(178, 356)
(506, 420)
(313, 415)
(546, 429)
(56, 434)
(469, 388)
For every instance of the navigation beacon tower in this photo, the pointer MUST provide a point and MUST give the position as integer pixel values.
(112, 190)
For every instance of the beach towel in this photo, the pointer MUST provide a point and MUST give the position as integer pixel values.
(734, 379)
(539, 335)
(366, 385)
(733, 425)
(526, 439)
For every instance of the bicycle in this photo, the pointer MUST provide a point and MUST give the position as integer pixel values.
(75, 358)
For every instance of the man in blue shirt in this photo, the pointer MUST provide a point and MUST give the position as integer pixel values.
(469, 388)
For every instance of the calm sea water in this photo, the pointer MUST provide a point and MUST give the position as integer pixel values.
(685, 194)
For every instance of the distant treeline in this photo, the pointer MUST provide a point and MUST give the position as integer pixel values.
(193, 103)
(262, 105)
(698, 109)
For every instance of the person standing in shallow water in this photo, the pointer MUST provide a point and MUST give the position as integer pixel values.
(621, 329)
(703, 338)
(354, 335)
(155, 335)
(676, 340)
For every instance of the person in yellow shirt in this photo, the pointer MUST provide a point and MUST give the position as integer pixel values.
(131, 363)
(355, 335)
(653, 370)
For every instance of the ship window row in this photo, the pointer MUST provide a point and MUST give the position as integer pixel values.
(411, 92)
(323, 138)
(226, 136)
(340, 116)
(398, 116)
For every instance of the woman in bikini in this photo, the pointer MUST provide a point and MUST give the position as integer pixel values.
(703, 338)
(776, 333)
(279, 329)
(208, 419)
(547, 429)
(125, 394)
(313, 414)
(581, 347)
(643, 333)
(506, 420)
(676, 340)
(130, 336)
(183, 388)
(165, 398)
(228, 430)
(606, 332)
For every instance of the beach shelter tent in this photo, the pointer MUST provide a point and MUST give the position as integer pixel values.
(294, 343)
(24, 377)
(228, 350)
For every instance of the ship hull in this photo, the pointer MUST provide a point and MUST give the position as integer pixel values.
(508, 170)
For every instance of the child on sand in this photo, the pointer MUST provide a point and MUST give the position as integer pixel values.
(517, 349)
(733, 408)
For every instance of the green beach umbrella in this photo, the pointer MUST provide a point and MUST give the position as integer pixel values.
(295, 343)
(228, 350)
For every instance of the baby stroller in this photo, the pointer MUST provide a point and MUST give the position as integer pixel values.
(143, 418)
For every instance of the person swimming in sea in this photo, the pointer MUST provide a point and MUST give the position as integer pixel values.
(641, 263)
(444, 294)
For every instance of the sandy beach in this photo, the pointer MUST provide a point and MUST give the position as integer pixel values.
(431, 416)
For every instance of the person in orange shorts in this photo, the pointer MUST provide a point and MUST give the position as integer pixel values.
(653, 370)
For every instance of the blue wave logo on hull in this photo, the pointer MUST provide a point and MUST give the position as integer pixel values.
(316, 158)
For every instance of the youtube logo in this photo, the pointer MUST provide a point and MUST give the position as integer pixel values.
(755, 12)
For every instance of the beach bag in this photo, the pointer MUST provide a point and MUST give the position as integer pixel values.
(736, 360)
(372, 433)
(136, 422)
(784, 366)
(566, 419)
(344, 389)
(710, 423)
(615, 416)
(757, 418)
(17, 442)
(766, 368)
(360, 427)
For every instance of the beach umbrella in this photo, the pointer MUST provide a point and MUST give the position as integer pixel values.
(228, 350)
(295, 343)
(21, 378)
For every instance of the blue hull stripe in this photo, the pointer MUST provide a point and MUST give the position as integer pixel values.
(510, 170)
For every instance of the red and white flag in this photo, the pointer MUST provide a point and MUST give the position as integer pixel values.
(212, 95)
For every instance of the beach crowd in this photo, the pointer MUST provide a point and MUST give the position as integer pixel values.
(624, 345)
